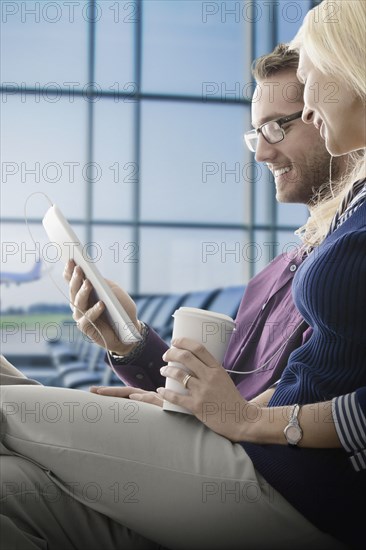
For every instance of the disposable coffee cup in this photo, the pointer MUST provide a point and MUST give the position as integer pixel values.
(211, 329)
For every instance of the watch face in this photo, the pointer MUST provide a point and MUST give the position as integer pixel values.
(293, 434)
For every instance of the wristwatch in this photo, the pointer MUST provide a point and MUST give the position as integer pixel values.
(293, 432)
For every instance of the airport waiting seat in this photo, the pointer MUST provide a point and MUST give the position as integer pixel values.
(141, 302)
(150, 309)
(163, 315)
(69, 348)
(82, 369)
(227, 300)
(198, 299)
(94, 370)
(160, 315)
(40, 374)
(43, 367)
(88, 360)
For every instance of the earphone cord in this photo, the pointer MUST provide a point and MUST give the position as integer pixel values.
(273, 356)
(72, 305)
(96, 328)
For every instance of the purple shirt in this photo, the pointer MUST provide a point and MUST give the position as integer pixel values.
(268, 329)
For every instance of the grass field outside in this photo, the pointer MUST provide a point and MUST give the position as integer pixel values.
(52, 326)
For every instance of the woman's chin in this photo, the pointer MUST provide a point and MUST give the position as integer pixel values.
(337, 148)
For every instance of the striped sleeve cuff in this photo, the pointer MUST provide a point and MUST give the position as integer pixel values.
(350, 424)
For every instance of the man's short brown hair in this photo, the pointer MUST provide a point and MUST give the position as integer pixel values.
(281, 59)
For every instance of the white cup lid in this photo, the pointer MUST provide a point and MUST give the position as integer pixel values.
(204, 313)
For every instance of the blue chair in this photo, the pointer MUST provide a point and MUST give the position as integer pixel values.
(69, 348)
(87, 377)
(88, 360)
(148, 312)
(41, 374)
(93, 370)
(199, 299)
(227, 300)
(141, 302)
(163, 315)
(83, 377)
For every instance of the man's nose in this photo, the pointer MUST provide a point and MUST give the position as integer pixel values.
(307, 115)
(265, 151)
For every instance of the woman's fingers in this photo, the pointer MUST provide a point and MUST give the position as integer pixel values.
(136, 394)
(180, 375)
(116, 391)
(197, 349)
(148, 397)
(193, 355)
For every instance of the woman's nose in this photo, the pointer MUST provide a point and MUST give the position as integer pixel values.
(307, 115)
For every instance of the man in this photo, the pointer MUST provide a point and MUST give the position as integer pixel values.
(269, 326)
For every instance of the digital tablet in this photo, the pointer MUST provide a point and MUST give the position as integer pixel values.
(59, 231)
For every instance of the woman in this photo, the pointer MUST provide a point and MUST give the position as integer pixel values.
(192, 487)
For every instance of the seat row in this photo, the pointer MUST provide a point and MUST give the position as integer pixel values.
(79, 363)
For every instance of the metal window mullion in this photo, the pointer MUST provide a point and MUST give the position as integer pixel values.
(90, 127)
(161, 224)
(136, 197)
(272, 204)
(93, 94)
(251, 192)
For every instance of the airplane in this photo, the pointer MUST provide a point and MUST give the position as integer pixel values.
(34, 274)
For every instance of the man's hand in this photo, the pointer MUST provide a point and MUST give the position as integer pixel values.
(88, 309)
(129, 392)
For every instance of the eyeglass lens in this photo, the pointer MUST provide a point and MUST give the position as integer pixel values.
(272, 132)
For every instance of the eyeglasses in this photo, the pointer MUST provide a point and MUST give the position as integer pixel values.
(272, 131)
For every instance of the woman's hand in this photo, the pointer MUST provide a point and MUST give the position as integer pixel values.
(129, 392)
(213, 397)
(89, 309)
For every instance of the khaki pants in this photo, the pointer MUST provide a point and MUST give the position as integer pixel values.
(105, 469)
(36, 514)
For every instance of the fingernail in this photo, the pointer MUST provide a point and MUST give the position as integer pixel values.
(162, 370)
(160, 390)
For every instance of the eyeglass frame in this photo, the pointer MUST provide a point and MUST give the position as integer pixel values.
(280, 121)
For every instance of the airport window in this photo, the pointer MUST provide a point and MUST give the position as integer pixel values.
(130, 115)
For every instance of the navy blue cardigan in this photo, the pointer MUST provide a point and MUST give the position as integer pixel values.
(330, 292)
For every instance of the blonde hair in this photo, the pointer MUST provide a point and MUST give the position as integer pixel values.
(327, 200)
(332, 35)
